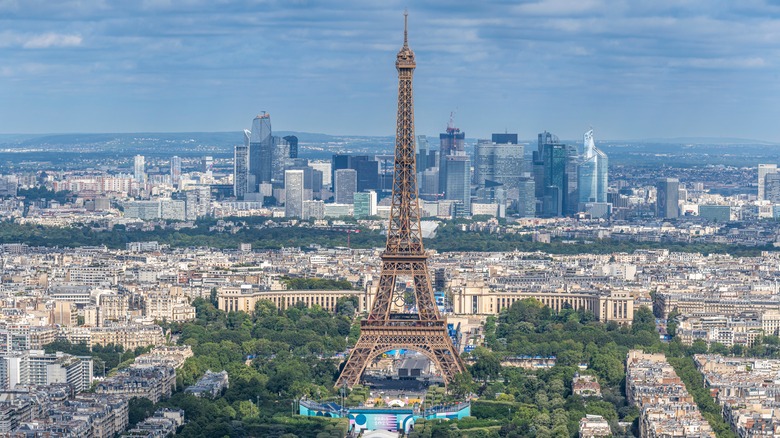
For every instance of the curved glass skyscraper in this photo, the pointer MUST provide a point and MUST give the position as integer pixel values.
(592, 173)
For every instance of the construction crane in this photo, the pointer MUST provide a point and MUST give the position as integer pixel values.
(451, 124)
(348, 233)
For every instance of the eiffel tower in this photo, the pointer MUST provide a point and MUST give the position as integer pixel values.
(386, 329)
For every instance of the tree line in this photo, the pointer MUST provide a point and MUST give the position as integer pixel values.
(449, 238)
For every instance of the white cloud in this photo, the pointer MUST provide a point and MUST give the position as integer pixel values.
(39, 41)
(559, 7)
(50, 39)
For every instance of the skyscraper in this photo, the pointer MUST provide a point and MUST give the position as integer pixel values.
(139, 170)
(772, 187)
(492, 193)
(592, 172)
(340, 161)
(538, 162)
(316, 182)
(498, 162)
(241, 180)
(428, 183)
(293, 142)
(458, 181)
(526, 196)
(280, 159)
(197, 202)
(261, 149)
(667, 196)
(313, 210)
(325, 168)
(505, 138)
(570, 190)
(451, 142)
(312, 178)
(268, 155)
(367, 169)
(555, 158)
(293, 193)
(422, 153)
(365, 204)
(367, 174)
(763, 171)
(207, 164)
(555, 167)
(175, 171)
(345, 186)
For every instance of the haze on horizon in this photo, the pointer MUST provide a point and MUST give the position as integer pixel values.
(630, 69)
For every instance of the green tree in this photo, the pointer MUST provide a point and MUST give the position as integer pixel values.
(246, 409)
(486, 364)
(643, 320)
(347, 305)
(609, 367)
(672, 323)
(699, 347)
(462, 385)
(139, 409)
(718, 348)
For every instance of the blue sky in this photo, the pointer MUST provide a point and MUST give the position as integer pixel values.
(630, 69)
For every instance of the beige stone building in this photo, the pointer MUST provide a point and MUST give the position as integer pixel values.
(42, 336)
(470, 300)
(91, 316)
(166, 355)
(128, 336)
(168, 306)
(93, 275)
(64, 313)
(243, 298)
(112, 307)
(477, 299)
(594, 426)
(700, 303)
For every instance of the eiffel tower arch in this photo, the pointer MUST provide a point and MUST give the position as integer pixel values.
(386, 328)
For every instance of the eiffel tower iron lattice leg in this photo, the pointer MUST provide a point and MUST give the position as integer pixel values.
(424, 331)
(434, 342)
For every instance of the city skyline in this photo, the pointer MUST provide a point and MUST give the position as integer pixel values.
(632, 70)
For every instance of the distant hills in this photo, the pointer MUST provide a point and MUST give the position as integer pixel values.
(218, 144)
(707, 141)
(688, 151)
(222, 138)
(225, 138)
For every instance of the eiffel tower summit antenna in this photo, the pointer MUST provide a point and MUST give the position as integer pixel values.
(387, 328)
(406, 33)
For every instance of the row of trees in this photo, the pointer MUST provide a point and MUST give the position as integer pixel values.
(686, 370)
(44, 194)
(316, 284)
(449, 238)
